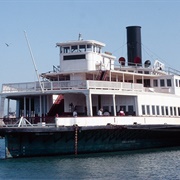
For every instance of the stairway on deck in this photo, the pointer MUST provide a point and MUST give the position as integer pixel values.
(57, 107)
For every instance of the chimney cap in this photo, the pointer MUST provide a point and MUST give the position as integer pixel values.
(133, 27)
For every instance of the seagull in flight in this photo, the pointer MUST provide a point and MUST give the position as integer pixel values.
(7, 44)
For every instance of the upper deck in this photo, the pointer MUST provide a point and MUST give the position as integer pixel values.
(126, 80)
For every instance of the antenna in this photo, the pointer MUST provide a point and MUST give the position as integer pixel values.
(80, 37)
(32, 57)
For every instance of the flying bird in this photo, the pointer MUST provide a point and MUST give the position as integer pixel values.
(7, 44)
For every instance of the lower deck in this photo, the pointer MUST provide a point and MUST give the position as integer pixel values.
(44, 107)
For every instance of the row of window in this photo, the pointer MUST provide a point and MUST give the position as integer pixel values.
(162, 82)
(156, 82)
(81, 48)
(160, 110)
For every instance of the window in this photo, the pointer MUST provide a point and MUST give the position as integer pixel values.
(89, 47)
(178, 111)
(98, 49)
(157, 110)
(153, 110)
(148, 109)
(162, 110)
(176, 83)
(146, 82)
(175, 113)
(143, 110)
(66, 49)
(171, 111)
(94, 48)
(169, 82)
(162, 84)
(74, 57)
(155, 83)
(166, 109)
(74, 48)
(82, 48)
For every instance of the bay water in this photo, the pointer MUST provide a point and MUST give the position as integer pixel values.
(141, 165)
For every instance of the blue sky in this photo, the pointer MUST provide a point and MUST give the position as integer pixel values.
(47, 22)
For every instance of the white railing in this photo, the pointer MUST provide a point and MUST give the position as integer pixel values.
(114, 85)
(168, 90)
(117, 120)
(66, 85)
(20, 87)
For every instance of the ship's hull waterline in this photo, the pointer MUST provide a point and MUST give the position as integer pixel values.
(29, 142)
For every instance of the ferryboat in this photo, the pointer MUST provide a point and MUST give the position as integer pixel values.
(58, 113)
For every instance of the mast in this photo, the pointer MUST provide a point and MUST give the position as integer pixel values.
(32, 57)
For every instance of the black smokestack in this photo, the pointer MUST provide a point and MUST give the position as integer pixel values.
(134, 45)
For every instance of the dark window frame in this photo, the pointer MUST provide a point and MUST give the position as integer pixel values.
(74, 57)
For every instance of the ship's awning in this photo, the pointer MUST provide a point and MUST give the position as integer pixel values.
(70, 43)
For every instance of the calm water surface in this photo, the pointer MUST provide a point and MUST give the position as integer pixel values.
(140, 165)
